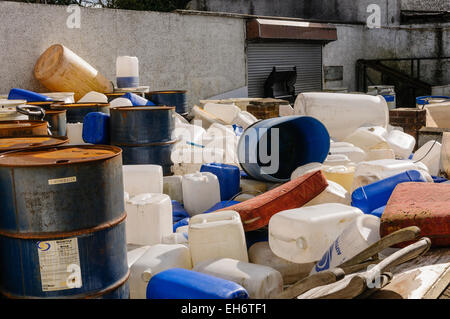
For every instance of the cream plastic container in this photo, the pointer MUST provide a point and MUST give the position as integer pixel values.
(157, 258)
(93, 97)
(172, 186)
(201, 191)
(401, 143)
(140, 179)
(334, 193)
(225, 112)
(377, 154)
(205, 118)
(75, 133)
(367, 138)
(217, 235)
(343, 113)
(261, 282)
(261, 254)
(343, 175)
(127, 72)
(430, 155)
(355, 154)
(244, 119)
(372, 171)
(337, 160)
(149, 219)
(302, 235)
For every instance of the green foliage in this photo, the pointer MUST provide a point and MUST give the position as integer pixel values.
(152, 5)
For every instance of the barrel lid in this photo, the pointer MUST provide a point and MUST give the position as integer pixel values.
(20, 124)
(141, 108)
(15, 143)
(49, 62)
(61, 155)
(77, 105)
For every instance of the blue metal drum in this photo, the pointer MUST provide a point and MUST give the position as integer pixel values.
(77, 111)
(144, 134)
(175, 98)
(62, 223)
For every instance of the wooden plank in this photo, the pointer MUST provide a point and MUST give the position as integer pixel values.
(424, 277)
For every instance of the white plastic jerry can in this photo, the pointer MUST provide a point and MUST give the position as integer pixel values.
(157, 258)
(217, 235)
(366, 138)
(342, 174)
(225, 112)
(261, 254)
(140, 179)
(301, 235)
(334, 193)
(337, 160)
(149, 219)
(261, 282)
(402, 143)
(201, 191)
(354, 153)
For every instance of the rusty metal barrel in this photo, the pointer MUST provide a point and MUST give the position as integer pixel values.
(62, 223)
(77, 111)
(8, 144)
(144, 133)
(23, 128)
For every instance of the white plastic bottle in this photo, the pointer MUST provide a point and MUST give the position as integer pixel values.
(301, 235)
(140, 179)
(156, 258)
(201, 191)
(217, 235)
(127, 72)
(149, 219)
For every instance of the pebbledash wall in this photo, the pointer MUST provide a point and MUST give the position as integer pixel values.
(205, 55)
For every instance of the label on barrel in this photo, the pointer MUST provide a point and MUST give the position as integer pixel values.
(59, 263)
(64, 180)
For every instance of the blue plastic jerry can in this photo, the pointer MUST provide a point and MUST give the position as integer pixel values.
(228, 176)
(96, 128)
(29, 96)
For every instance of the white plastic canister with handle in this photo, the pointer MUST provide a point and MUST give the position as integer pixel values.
(360, 234)
(201, 191)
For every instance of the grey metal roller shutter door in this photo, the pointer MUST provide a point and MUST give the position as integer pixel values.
(262, 57)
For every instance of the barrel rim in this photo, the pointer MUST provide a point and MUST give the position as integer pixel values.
(167, 92)
(43, 103)
(62, 140)
(118, 144)
(70, 106)
(117, 152)
(55, 111)
(34, 123)
(142, 108)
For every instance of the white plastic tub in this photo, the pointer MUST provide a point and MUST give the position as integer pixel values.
(149, 219)
(217, 235)
(302, 235)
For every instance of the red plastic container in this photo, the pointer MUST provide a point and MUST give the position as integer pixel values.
(256, 212)
(425, 205)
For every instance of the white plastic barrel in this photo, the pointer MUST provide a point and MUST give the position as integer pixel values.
(140, 179)
(372, 171)
(172, 186)
(302, 235)
(157, 258)
(261, 282)
(343, 113)
(149, 219)
(261, 254)
(127, 72)
(225, 112)
(201, 191)
(430, 155)
(217, 235)
(401, 143)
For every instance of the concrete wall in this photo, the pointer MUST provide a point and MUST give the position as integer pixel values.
(205, 55)
(358, 42)
(327, 10)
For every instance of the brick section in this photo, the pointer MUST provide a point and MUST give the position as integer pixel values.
(410, 119)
